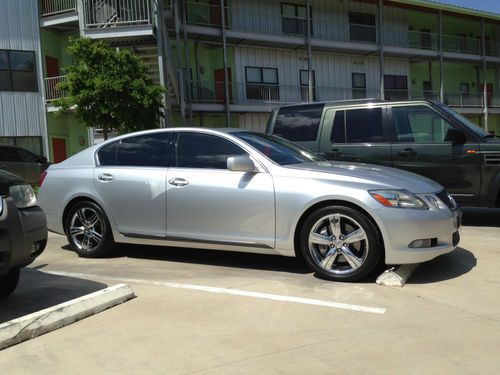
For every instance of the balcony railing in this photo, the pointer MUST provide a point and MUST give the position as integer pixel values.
(465, 99)
(111, 13)
(52, 90)
(56, 7)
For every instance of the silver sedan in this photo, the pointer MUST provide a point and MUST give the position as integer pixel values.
(244, 191)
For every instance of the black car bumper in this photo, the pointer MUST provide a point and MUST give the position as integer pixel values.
(23, 235)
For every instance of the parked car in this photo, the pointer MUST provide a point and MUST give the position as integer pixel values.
(423, 137)
(244, 191)
(22, 163)
(23, 230)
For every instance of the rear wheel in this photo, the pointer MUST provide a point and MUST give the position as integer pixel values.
(88, 230)
(8, 282)
(340, 243)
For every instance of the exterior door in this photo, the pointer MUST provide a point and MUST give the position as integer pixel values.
(59, 149)
(421, 148)
(220, 88)
(356, 135)
(130, 180)
(52, 65)
(208, 203)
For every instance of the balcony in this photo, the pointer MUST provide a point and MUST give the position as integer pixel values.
(58, 12)
(119, 20)
(52, 92)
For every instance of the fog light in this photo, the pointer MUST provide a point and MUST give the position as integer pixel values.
(35, 248)
(427, 242)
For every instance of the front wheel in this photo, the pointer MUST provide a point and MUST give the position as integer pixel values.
(8, 282)
(340, 243)
(88, 231)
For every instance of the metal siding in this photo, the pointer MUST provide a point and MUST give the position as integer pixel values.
(253, 121)
(22, 113)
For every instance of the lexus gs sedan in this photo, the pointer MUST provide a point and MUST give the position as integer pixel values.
(237, 190)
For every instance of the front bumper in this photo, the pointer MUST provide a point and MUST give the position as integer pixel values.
(440, 227)
(23, 235)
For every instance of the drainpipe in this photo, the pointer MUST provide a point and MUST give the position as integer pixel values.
(440, 52)
(224, 56)
(381, 48)
(485, 75)
(180, 73)
(309, 54)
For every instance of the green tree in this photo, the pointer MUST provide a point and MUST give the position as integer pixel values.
(109, 88)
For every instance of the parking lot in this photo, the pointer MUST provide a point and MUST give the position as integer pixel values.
(215, 312)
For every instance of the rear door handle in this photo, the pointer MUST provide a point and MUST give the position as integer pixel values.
(179, 182)
(407, 152)
(105, 177)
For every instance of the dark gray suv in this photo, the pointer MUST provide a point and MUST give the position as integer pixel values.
(424, 137)
(22, 163)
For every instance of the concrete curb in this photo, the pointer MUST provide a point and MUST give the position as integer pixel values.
(38, 323)
(396, 276)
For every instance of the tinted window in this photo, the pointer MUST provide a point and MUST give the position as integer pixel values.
(419, 124)
(8, 154)
(17, 71)
(338, 129)
(364, 125)
(143, 151)
(196, 150)
(107, 154)
(26, 156)
(298, 123)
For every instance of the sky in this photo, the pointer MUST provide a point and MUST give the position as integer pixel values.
(486, 5)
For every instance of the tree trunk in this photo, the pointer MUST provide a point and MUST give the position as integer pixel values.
(105, 132)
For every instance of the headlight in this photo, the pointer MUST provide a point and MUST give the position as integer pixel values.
(23, 195)
(398, 199)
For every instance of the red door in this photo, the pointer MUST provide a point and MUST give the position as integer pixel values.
(489, 92)
(220, 90)
(52, 65)
(59, 149)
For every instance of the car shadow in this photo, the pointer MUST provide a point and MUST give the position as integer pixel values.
(38, 290)
(445, 267)
(481, 217)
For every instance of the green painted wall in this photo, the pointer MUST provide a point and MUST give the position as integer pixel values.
(205, 120)
(54, 44)
(66, 126)
(422, 20)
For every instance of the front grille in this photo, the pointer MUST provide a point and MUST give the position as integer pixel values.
(446, 200)
(492, 159)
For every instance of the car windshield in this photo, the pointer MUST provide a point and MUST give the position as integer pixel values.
(465, 121)
(277, 149)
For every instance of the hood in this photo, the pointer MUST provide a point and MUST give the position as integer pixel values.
(7, 180)
(374, 175)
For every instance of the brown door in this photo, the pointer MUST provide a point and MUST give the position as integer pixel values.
(219, 80)
(489, 92)
(59, 149)
(52, 65)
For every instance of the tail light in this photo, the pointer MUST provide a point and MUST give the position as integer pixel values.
(42, 177)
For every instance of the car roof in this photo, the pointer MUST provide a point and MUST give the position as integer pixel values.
(354, 102)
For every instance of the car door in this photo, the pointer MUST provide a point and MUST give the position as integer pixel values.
(421, 148)
(356, 135)
(130, 180)
(208, 203)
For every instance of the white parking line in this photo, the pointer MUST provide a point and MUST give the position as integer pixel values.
(236, 292)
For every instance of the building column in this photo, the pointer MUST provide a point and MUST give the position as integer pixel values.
(189, 86)
(440, 52)
(224, 56)
(485, 74)
(180, 73)
(310, 82)
(381, 48)
(160, 35)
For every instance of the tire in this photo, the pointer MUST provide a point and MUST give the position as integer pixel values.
(340, 243)
(8, 282)
(88, 231)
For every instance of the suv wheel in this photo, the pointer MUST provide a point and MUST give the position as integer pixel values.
(340, 243)
(8, 282)
(88, 231)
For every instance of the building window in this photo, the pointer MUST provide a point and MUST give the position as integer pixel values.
(262, 83)
(304, 85)
(358, 85)
(395, 87)
(462, 43)
(362, 27)
(18, 71)
(425, 39)
(33, 144)
(294, 19)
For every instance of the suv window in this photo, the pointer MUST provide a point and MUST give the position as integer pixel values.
(419, 124)
(26, 156)
(358, 126)
(197, 150)
(8, 154)
(298, 123)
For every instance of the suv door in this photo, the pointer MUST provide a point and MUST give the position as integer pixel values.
(130, 179)
(356, 135)
(421, 148)
(208, 203)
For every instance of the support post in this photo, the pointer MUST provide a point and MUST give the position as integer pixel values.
(381, 48)
(485, 74)
(187, 64)
(310, 83)
(440, 52)
(165, 121)
(224, 55)
(180, 73)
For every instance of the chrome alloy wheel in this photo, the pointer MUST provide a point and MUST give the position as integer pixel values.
(338, 244)
(86, 229)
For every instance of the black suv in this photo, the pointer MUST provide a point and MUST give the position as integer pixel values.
(22, 163)
(424, 137)
(23, 230)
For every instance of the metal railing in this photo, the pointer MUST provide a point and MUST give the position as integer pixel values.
(55, 7)
(465, 99)
(52, 90)
(455, 43)
(112, 13)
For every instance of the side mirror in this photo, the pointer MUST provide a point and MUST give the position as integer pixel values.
(240, 164)
(456, 136)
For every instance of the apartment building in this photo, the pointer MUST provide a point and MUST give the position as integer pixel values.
(229, 62)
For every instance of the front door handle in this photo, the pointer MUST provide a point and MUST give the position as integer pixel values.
(407, 152)
(334, 153)
(105, 177)
(179, 182)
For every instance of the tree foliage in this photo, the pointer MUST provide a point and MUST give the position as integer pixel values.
(109, 88)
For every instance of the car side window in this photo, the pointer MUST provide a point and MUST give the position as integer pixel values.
(8, 154)
(298, 123)
(197, 150)
(419, 124)
(358, 126)
(26, 156)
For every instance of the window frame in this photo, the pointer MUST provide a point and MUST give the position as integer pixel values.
(273, 88)
(351, 24)
(10, 71)
(304, 96)
(360, 90)
(297, 18)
